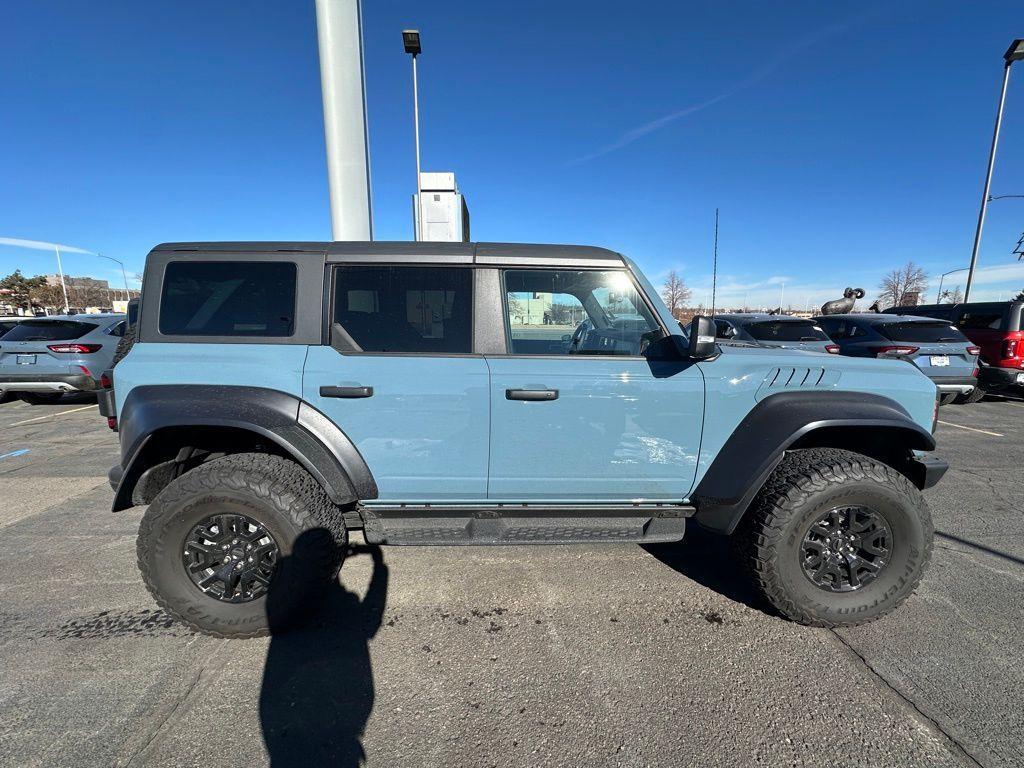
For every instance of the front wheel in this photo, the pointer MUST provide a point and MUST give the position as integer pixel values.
(974, 396)
(836, 538)
(240, 546)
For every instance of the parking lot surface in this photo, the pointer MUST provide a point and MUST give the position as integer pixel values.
(581, 655)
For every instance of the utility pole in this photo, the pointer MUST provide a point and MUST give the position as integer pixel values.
(1014, 53)
(342, 83)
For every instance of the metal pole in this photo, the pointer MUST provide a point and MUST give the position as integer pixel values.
(340, 38)
(418, 234)
(938, 296)
(63, 286)
(714, 269)
(988, 182)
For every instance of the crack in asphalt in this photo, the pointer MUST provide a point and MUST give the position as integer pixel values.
(952, 742)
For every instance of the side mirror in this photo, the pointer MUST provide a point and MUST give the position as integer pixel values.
(702, 339)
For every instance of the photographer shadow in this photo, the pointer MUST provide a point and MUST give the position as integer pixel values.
(318, 691)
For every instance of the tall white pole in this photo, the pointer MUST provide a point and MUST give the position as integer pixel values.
(342, 83)
(63, 286)
(416, 119)
(782, 296)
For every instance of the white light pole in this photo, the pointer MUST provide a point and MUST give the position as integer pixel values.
(411, 41)
(340, 39)
(124, 276)
(1014, 53)
(63, 286)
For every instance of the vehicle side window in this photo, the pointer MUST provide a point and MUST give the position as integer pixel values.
(986, 319)
(228, 298)
(117, 329)
(585, 312)
(403, 309)
(724, 329)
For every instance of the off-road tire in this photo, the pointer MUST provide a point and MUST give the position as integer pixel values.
(39, 398)
(124, 345)
(807, 484)
(949, 397)
(281, 496)
(975, 396)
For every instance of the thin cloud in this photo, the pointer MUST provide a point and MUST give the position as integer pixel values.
(40, 245)
(634, 134)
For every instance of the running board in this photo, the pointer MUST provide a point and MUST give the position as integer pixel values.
(523, 524)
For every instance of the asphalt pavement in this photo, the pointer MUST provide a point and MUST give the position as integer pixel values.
(563, 656)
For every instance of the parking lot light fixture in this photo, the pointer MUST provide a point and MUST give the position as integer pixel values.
(1014, 53)
(411, 41)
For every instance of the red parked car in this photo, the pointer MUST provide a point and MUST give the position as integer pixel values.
(996, 327)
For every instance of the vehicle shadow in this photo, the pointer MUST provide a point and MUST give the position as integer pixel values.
(708, 559)
(318, 691)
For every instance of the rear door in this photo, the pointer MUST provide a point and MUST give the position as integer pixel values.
(401, 380)
(578, 414)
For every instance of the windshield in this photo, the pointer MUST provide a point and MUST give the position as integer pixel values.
(786, 330)
(921, 332)
(49, 330)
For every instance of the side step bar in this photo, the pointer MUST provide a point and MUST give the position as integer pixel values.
(523, 524)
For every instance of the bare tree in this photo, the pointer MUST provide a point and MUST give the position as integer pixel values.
(898, 287)
(675, 293)
(954, 296)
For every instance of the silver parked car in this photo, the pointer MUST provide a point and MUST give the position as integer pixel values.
(44, 357)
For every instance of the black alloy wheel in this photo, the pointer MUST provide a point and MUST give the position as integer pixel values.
(231, 557)
(846, 548)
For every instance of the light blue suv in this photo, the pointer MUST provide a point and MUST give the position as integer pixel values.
(279, 395)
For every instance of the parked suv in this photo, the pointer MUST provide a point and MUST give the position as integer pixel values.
(44, 357)
(279, 395)
(935, 347)
(774, 331)
(997, 327)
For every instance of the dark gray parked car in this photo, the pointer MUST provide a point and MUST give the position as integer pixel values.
(42, 358)
(774, 331)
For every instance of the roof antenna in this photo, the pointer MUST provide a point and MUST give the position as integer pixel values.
(714, 267)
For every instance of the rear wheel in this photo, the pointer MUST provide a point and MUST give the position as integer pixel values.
(948, 398)
(241, 546)
(39, 398)
(835, 538)
(974, 396)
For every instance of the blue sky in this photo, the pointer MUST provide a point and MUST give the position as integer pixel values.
(839, 139)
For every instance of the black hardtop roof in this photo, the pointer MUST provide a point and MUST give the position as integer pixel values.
(458, 252)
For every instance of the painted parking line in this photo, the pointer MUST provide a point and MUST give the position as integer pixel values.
(52, 415)
(12, 454)
(970, 429)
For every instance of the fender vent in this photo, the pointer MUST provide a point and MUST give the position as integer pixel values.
(798, 377)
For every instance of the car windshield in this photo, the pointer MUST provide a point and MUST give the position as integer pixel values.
(49, 330)
(786, 330)
(928, 333)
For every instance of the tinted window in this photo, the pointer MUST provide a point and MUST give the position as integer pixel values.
(786, 331)
(723, 330)
(6, 325)
(49, 330)
(921, 332)
(237, 298)
(582, 312)
(406, 309)
(985, 319)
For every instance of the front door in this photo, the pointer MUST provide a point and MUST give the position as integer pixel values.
(399, 380)
(578, 414)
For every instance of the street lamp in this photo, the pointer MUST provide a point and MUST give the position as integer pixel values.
(127, 292)
(411, 40)
(938, 296)
(1014, 53)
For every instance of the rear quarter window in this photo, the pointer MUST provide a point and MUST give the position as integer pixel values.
(228, 298)
(49, 330)
(773, 330)
(925, 333)
(991, 320)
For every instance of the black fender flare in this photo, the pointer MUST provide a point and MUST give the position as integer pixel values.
(293, 425)
(779, 422)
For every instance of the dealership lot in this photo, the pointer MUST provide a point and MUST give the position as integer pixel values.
(584, 655)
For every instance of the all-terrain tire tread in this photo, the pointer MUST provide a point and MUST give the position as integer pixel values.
(283, 481)
(800, 474)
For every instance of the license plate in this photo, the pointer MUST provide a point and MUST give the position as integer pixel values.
(940, 360)
(26, 360)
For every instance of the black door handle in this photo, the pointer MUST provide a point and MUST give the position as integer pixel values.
(531, 395)
(349, 392)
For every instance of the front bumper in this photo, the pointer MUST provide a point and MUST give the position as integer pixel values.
(928, 469)
(47, 382)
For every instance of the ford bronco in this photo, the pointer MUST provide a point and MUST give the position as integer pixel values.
(277, 396)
